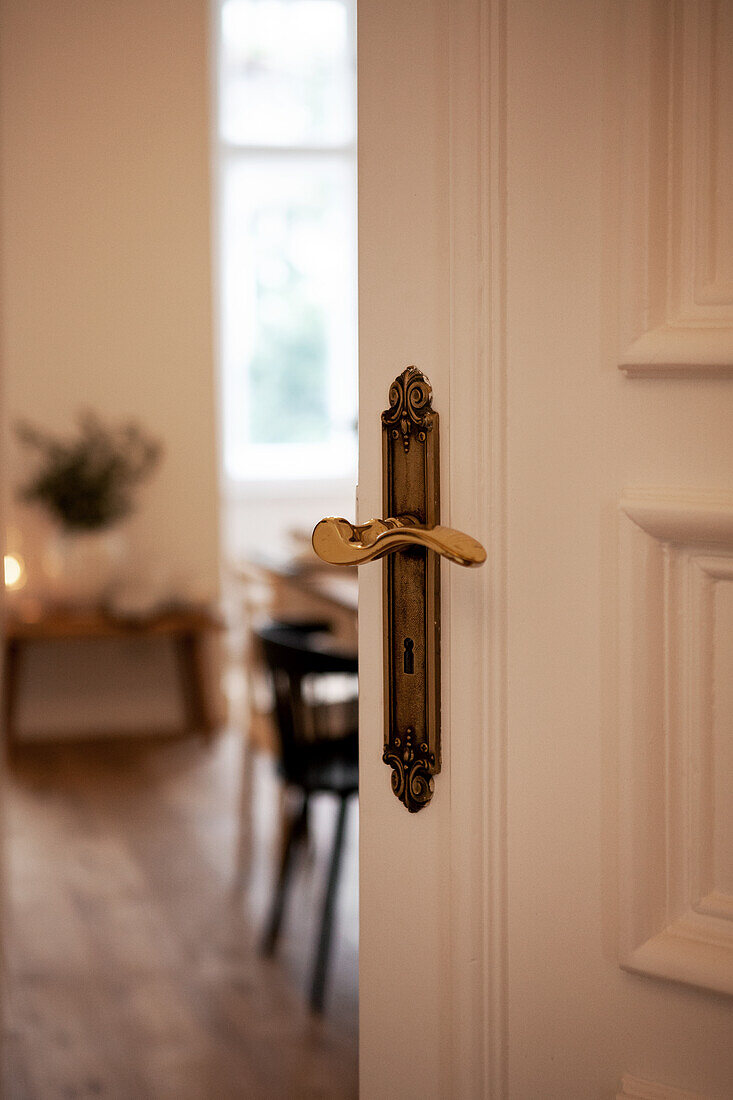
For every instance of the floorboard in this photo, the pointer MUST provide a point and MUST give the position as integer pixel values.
(131, 924)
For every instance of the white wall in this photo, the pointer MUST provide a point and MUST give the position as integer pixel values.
(106, 247)
(259, 520)
(105, 269)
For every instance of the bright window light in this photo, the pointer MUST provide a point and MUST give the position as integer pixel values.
(287, 245)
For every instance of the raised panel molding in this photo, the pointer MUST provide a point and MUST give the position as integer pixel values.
(633, 1088)
(476, 652)
(676, 917)
(676, 190)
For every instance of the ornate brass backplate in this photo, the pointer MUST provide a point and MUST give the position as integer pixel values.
(411, 488)
(411, 540)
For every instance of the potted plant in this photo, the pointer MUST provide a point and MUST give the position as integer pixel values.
(86, 483)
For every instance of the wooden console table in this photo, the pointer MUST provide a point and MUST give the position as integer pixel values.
(186, 627)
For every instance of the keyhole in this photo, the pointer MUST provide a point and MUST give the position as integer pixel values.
(409, 661)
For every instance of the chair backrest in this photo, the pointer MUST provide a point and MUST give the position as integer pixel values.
(291, 655)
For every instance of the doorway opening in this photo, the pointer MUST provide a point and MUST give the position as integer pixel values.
(285, 155)
(179, 312)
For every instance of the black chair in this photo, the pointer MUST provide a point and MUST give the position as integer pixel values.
(316, 756)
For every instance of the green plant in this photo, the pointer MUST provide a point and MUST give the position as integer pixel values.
(86, 482)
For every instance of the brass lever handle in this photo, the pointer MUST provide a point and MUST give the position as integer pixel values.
(339, 542)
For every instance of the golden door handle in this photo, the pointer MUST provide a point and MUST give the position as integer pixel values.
(339, 542)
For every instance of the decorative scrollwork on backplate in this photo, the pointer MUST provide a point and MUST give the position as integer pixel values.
(410, 433)
(410, 406)
(411, 765)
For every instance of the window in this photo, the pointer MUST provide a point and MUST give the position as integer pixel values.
(287, 172)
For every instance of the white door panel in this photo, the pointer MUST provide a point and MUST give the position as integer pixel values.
(545, 226)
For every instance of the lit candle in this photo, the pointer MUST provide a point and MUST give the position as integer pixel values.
(14, 571)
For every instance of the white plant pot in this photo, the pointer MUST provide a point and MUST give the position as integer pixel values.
(82, 567)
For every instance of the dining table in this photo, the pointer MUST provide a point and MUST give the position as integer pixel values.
(301, 586)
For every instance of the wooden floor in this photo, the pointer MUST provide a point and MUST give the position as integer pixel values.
(129, 946)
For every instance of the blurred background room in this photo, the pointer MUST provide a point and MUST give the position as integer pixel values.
(178, 393)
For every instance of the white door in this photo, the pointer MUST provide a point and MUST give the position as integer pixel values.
(546, 230)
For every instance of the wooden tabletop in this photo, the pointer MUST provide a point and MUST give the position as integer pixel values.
(342, 590)
(334, 584)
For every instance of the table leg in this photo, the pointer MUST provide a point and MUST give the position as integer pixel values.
(245, 820)
(192, 678)
(11, 675)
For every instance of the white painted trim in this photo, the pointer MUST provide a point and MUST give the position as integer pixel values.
(673, 924)
(285, 489)
(476, 600)
(672, 352)
(637, 1089)
(259, 152)
(676, 315)
(681, 516)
